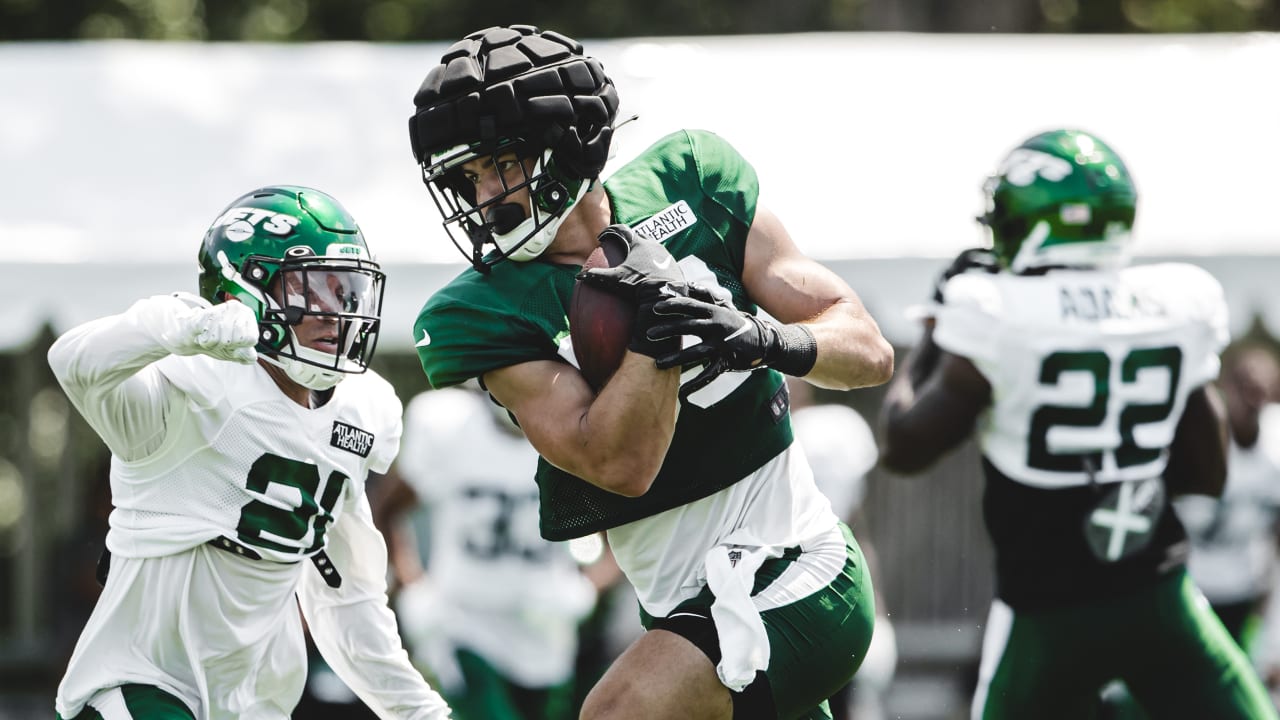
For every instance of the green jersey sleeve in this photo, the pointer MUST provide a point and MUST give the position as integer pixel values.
(477, 323)
(726, 178)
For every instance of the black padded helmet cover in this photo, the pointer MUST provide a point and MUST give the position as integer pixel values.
(518, 82)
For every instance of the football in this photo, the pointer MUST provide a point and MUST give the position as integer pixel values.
(599, 321)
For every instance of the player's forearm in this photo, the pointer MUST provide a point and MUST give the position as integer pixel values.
(360, 642)
(626, 431)
(355, 630)
(851, 351)
(923, 359)
(615, 439)
(919, 365)
(920, 424)
(1198, 455)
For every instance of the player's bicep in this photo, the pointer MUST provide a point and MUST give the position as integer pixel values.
(121, 394)
(131, 416)
(941, 415)
(787, 284)
(797, 289)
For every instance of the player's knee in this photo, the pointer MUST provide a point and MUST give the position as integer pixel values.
(620, 696)
(603, 703)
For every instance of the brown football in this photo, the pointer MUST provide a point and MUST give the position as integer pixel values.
(599, 321)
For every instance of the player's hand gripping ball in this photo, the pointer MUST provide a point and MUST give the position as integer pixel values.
(600, 322)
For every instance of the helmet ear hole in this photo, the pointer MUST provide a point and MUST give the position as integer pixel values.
(270, 335)
(1012, 229)
(551, 196)
(256, 273)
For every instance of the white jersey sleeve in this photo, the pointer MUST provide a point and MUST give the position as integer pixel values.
(355, 629)
(1089, 369)
(391, 411)
(105, 367)
(1189, 292)
(968, 321)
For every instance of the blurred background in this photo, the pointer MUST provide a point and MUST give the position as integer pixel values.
(127, 125)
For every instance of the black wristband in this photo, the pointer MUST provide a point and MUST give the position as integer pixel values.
(793, 351)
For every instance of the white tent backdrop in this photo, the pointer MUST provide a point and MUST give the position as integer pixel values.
(869, 147)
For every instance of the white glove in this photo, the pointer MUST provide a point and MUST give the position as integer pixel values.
(226, 331)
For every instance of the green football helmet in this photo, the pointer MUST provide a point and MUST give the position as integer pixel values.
(1061, 198)
(290, 254)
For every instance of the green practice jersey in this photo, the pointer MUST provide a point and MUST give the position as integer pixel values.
(694, 193)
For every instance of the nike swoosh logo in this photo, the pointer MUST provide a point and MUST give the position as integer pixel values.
(425, 341)
(666, 262)
(746, 324)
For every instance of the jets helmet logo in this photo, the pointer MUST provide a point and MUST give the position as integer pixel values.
(241, 222)
(1023, 166)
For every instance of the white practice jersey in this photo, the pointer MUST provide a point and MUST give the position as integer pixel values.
(495, 586)
(1085, 366)
(841, 449)
(203, 449)
(1233, 538)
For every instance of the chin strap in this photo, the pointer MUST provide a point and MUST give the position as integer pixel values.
(305, 374)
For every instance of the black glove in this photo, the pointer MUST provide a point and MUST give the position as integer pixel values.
(647, 275)
(732, 340)
(980, 259)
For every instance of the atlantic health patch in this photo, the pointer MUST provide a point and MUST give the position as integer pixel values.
(667, 222)
(351, 438)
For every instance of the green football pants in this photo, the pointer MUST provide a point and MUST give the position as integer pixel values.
(1163, 641)
(135, 702)
(489, 695)
(816, 643)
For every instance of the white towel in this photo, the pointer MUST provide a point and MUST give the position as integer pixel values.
(744, 645)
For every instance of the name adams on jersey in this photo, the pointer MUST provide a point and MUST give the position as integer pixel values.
(1092, 302)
